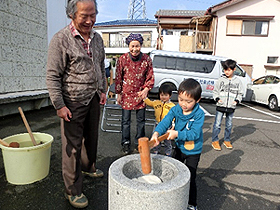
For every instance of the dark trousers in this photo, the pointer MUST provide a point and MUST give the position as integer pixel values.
(126, 121)
(191, 161)
(79, 143)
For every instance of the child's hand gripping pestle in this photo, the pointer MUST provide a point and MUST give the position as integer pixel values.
(144, 146)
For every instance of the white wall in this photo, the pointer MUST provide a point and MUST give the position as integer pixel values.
(171, 43)
(249, 49)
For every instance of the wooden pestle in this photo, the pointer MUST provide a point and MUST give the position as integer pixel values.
(144, 146)
(27, 126)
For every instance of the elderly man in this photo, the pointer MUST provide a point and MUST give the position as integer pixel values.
(77, 84)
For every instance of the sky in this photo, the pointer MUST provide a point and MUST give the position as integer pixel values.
(118, 9)
(110, 10)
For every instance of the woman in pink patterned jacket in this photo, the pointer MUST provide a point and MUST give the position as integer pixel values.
(134, 79)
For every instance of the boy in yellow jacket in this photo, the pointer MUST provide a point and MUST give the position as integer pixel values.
(161, 108)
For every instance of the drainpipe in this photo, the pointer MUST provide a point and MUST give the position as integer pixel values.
(195, 38)
(159, 34)
(215, 36)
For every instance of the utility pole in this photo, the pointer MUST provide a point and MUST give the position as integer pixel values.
(136, 10)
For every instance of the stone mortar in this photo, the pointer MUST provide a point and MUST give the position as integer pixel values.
(125, 192)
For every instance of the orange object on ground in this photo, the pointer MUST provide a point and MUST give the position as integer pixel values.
(12, 144)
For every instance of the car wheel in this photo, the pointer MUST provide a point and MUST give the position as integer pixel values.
(272, 103)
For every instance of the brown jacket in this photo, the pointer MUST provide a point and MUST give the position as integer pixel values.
(71, 74)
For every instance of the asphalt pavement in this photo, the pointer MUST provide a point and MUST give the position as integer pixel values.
(246, 177)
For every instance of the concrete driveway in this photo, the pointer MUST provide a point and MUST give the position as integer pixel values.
(246, 177)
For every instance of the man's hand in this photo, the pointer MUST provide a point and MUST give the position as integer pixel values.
(64, 113)
(103, 98)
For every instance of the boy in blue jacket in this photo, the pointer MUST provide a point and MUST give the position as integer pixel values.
(187, 133)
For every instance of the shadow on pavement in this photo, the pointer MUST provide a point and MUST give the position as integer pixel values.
(215, 189)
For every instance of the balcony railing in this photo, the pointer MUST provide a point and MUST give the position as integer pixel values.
(204, 41)
(122, 44)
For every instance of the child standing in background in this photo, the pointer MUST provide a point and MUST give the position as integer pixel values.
(161, 108)
(228, 92)
(187, 133)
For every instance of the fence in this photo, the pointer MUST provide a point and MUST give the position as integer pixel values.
(122, 44)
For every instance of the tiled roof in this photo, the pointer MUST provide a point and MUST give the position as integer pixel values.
(126, 22)
(180, 13)
(223, 5)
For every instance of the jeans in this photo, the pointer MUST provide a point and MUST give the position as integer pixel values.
(217, 126)
(167, 147)
(126, 121)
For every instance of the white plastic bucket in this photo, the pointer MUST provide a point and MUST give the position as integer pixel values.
(28, 163)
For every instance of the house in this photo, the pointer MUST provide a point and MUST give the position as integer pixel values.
(185, 31)
(115, 32)
(248, 31)
(175, 30)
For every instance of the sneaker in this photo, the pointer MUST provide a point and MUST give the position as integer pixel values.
(97, 173)
(191, 207)
(227, 144)
(78, 201)
(216, 145)
(126, 149)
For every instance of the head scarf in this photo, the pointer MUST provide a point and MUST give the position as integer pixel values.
(131, 37)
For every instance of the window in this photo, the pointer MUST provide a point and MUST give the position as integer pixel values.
(234, 27)
(272, 59)
(170, 63)
(166, 32)
(190, 65)
(259, 81)
(159, 62)
(183, 64)
(115, 40)
(269, 80)
(238, 72)
(184, 32)
(248, 25)
(276, 80)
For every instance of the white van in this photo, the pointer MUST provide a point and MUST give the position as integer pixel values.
(173, 67)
